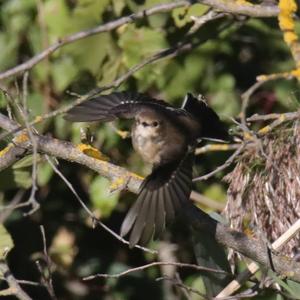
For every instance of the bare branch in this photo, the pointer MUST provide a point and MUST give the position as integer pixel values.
(95, 220)
(9, 155)
(290, 116)
(14, 287)
(227, 163)
(46, 276)
(253, 267)
(179, 283)
(247, 9)
(158, 263)
(238, 241)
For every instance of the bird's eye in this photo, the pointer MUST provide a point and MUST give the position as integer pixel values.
(155, 124)
(144, 124)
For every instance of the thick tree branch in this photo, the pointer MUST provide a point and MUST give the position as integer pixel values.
(9, 155)
(238, 241)
(254, 249)
(247, 9)
(12, 152)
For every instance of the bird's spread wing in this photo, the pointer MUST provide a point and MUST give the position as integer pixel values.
(163, 194)
(106, 108)
(211, 125)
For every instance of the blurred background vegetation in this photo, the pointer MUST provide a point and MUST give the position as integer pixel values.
(221, 68)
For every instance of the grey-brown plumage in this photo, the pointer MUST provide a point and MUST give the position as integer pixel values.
(164, 136)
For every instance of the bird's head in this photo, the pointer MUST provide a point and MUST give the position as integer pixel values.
(149, 123)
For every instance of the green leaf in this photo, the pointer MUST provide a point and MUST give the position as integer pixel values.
(9, 48)
(198, 285)
(182, 15)
(88, 12)
(118, 6)
(36, 104)
(292, 289)
(64, 71)
(44, 173)
(89, 53)
(178, 78)
(11, 179)
(215, 191)
(100, 197)
(3, 101)
(287, 94)
(157, 20)
(6, 242)
(57, 19)
(138, 43)
(23, 162)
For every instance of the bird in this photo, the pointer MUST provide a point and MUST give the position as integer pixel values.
(164, 136)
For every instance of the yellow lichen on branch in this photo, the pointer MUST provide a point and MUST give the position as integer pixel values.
(21, 138)
(287, 75)
(92, 152)
(287, 10)
(243, 2)
(5, 150)
(215, 147)
(118, 184)
(38, 119)
(286, 21)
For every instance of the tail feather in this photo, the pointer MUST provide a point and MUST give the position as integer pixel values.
(131, 216)
(163, 194)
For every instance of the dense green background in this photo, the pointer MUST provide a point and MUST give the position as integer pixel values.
(221, 68)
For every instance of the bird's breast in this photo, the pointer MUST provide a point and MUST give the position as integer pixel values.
(149, 147)
(158, 147)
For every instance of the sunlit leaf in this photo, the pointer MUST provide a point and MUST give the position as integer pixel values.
(63, 248)
(6, 242)
(182, 15)
(64, 71)
(44, 173)
(138, 43)
(101, 199)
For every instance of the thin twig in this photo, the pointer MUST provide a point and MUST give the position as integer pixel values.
(290, 116)
(47, 277)
(246, 98)
(24, 113)
(158, 263)
(17, 150)
(216, 147)
(15, 288)
(90, 213)
(5, 211)
(227, 163)
(181, 285)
